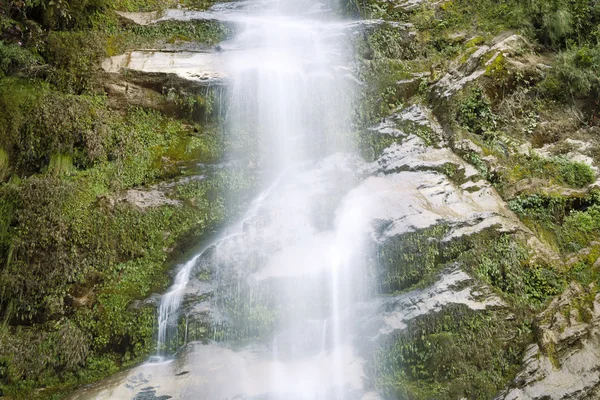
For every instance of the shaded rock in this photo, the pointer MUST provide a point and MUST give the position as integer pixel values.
(407, 88)
(465, 146)
(411, 5)
(121, 94)
(407, 30)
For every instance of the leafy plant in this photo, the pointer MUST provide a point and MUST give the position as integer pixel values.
(475, 113)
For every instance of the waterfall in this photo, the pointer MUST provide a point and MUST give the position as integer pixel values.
(285, 275)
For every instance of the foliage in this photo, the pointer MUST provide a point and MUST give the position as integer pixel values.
(382, 57)
(540, 206)
(568, 223)
(65, 160)
(504, 265)
(206, 32)
(39, 122)
(56, 14)
(407, 260)
(4, 163)
(557, 170)
(580, 228)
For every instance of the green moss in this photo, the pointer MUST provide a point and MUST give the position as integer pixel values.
(14, 57)
(408, 260)
(383, 59)
(452, 354)
(4, 163)
(120, 38)
(503, 261)
(555, 170)
(60, 164)
(566, 223)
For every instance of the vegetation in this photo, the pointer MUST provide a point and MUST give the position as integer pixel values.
(96, 254)
(568, 223)
(77, 258)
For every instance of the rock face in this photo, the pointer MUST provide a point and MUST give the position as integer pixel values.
(409, 191)
(565, 363)
(429, 195)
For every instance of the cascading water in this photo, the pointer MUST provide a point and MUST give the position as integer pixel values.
(287, 276)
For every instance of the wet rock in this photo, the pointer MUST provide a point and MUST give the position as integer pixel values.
(149, 393)
(417, 172)
(221, 373)
(565, 361)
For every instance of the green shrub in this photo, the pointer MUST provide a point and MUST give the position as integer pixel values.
(76, 56)
(408, 260)
(575, 174)
(57, 14)
(60, 164)
(540, 206)
(557, 170)
(39, 123)
(13, 57)
(574, 74)
(4, 163)
(580, 228)
(39, 352)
